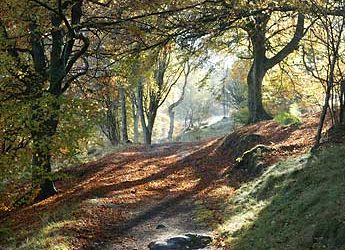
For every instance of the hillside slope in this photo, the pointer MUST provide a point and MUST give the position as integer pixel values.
(119, 202)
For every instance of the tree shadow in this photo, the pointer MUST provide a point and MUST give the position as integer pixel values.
(205, 168)
(304, 210)
(114, 181)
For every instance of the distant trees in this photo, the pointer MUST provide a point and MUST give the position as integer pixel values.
(47, 47)
(171, 111)
(323, 59)
(152, 94)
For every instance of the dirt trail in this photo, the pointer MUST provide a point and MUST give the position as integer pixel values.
(119, 201)
(160, 193)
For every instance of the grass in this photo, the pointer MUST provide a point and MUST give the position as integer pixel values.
(287, 119)
(51, 233)
(296, 204)
(220, 128)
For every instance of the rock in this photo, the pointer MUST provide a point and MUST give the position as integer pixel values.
(181, 242)
(161, 226)
(250, 163)
(199, 240)
(158, 245)
(91, 151)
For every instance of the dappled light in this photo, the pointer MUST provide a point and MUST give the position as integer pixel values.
(161, 125)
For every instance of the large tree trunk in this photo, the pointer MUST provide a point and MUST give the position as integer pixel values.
(42, 135)
(261, 64)
(254, 80)
(49, 83)
(124, 132)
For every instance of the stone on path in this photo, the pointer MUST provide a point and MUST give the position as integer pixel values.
(181, 242)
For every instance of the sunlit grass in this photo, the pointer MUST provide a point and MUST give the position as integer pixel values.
(51, 233)
(296, 204)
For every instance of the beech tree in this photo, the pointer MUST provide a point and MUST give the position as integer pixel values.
(257, 30)
(157, 90)
(186, 72)
(45, 62)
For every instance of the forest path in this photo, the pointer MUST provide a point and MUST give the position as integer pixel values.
(153, 190)
(145, 193)
(118, 202)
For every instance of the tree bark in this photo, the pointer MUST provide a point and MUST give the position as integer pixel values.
(43, 130)
(261, 64)
(177, 103)
(141, 112)
(330, 85)
(135, 120)
(110, 126)
(171, 124)
(124, 131)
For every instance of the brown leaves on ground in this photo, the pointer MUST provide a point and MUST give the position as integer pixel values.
(106, 196)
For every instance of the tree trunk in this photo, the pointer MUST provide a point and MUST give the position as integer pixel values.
(187, 70)
(254, 80)
(322, 118)
(171, 125)
(330, 86)
(124, 132)
(45, 112)
(261, 64)
(110, 124)
(44, 128)
(342, 103)
(135, 120)
(150, 123)
(257, 71)
(141, 112)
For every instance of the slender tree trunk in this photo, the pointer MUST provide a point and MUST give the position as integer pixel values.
(342, 103)
(330, 86)
(141, 112)
(124, 131)
(322, 117)
(135, 120)
(171, 108)
(171, 124)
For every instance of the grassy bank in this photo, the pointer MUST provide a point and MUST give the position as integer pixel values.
(295, 204)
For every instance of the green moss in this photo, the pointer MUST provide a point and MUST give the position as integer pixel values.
(296, 204)
(287, 119)
(241, 116)
(302, 205)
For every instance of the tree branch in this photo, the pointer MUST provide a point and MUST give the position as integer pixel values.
(290, 47)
